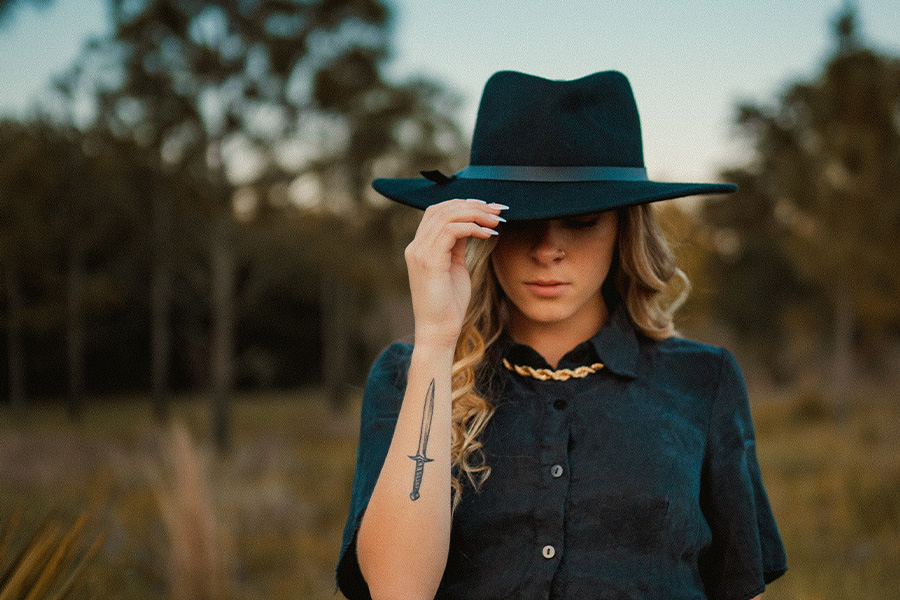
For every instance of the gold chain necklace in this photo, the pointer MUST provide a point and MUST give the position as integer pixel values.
(557, 375)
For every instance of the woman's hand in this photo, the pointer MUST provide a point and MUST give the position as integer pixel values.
(436, 261)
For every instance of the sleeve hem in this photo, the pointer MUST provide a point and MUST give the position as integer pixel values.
(348, 577)
(772, 574)
(768, 577)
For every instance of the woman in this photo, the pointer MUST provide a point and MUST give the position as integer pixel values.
(547, 435)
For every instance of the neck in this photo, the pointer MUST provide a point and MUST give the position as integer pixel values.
(553, 339)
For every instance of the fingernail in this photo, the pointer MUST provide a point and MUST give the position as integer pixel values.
(500, 206)
(490, 231)
(501, 219)
(475, 200)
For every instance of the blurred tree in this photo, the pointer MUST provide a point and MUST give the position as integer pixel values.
(64, 231)
(409, 125)
(746, 250)
(8, 7)
(250, 101)
(820, 204)
(26, 233)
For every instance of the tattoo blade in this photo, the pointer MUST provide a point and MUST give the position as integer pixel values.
(424, 431)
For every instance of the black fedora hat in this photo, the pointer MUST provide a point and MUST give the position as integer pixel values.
(551, 149)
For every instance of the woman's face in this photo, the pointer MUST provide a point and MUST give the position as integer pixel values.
(552, 270)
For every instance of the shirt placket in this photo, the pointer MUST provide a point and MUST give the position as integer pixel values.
(553, 435)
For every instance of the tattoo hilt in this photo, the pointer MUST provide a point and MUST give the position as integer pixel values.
(417, 478)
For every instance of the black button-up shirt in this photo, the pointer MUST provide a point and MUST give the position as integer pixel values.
(637, 482)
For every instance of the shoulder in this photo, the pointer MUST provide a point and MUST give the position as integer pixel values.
(688, 353)
(386, 382)
(687, 363)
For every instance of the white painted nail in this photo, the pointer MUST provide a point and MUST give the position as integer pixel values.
(490, 231)
(500, 206)
(475, 200)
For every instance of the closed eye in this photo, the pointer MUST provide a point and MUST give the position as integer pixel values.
(581, 222)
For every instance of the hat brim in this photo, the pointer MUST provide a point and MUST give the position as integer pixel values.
(543, 200)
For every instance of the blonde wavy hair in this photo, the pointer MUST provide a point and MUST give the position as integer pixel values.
(642, 275)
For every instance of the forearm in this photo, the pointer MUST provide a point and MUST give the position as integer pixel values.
(404, 537)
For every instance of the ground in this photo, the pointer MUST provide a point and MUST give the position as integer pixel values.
(266, 518)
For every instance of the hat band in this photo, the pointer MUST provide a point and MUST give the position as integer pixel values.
(550, 174)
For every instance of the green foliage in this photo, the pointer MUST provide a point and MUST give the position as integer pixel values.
(8, 7)
(817, 216)
(270, 117)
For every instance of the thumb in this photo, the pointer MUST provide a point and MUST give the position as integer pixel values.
(458, 252)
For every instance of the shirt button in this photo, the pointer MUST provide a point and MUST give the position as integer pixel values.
(559, 404)
(556, 470)
(548, 551)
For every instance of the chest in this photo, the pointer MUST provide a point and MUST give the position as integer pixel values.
(607, 434)
(594, 482)
(608, 458)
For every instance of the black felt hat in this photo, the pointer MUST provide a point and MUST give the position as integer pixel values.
(551, 149)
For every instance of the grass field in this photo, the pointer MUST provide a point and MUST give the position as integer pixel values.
(265, 521)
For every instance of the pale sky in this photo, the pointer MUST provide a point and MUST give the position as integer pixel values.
(689, 61)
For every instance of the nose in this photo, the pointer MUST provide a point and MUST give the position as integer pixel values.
(547, 245)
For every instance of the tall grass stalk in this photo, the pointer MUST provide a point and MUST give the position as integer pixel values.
(47, 558)
(200, 559)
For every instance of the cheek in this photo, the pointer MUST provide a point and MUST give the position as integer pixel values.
(606, 246)
(598, 258)
(498, 267)
(504, 262)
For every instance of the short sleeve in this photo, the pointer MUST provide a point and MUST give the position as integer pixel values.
(382, 398)
(746, 551)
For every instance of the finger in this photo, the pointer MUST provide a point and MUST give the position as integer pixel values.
(457, 208)
(494, 208)
(458, 211)
(491, 206)
(457, 231)
(427, 249)
(431, 236)
(458, 253)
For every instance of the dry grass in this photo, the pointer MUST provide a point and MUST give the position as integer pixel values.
(266, 520)
(201, 552)
(835, 490)
(49, 564)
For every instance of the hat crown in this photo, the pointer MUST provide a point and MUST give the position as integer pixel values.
(525, 120)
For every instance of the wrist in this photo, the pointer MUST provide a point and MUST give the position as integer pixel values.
(435, 341)
(435, 338)
(437, 360)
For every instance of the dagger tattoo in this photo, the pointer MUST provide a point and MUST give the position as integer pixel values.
(420, 458)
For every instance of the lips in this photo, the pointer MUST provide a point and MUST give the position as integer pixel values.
(546, 288)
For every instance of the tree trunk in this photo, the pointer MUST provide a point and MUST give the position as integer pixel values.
(223, 328)
(338, 300)
(162, 303)
(14, 344)
(75, 324)
(842, 368)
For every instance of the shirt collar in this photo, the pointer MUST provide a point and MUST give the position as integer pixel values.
(615, 345)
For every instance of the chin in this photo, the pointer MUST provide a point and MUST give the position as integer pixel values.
(546, 314)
